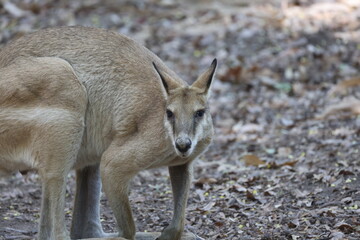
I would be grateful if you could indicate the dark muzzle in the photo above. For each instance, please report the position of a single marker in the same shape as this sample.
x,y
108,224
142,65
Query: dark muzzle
x,y
183,144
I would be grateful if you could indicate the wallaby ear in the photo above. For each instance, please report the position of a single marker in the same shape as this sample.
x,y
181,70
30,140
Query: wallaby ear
x,y
204,80
167,81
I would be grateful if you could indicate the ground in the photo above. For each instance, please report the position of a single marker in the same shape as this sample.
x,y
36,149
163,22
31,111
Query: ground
x,y
275,170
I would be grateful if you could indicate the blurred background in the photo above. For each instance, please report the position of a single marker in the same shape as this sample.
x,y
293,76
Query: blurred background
x,y
285,160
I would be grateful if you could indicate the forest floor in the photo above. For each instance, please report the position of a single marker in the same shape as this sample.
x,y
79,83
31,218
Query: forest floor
x,y
275,170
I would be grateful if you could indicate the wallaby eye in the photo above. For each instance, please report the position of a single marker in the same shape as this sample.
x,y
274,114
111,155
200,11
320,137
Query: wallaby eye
x,y
200,113
169,114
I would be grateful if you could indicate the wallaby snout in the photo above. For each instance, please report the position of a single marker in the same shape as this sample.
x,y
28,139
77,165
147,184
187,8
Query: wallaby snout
x,y
183,144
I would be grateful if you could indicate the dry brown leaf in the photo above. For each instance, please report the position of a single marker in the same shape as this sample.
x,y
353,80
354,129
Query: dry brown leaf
x,y
250,196
252,160
232,74
349,104
294,223
346,172
238,74
200,182
344,227
219,224
274,165
342,86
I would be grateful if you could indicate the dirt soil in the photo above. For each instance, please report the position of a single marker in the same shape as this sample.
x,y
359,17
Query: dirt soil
x,y
275,170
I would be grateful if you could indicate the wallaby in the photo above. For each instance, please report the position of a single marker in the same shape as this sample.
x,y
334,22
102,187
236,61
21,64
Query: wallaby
x,y
96,101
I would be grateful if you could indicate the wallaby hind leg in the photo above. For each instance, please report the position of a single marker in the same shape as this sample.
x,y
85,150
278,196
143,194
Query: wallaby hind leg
x,y
42,123
52,219
56,154
86,215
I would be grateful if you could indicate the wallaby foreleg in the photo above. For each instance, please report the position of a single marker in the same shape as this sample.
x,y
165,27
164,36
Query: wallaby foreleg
x,y
180,180
115,176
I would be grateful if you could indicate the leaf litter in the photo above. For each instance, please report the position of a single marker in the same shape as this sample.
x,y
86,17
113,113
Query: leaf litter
x,y
275,170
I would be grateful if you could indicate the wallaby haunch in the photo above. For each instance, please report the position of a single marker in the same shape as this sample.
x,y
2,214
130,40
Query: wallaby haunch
x,y
97,102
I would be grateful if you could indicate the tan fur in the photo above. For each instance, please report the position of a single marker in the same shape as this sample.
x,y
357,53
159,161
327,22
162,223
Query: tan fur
x,y
76,97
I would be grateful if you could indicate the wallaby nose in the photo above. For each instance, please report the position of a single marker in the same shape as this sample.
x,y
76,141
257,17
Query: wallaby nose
x,y
183,144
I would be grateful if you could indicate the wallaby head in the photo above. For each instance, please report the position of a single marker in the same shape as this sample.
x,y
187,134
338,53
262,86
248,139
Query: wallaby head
x,y
187,117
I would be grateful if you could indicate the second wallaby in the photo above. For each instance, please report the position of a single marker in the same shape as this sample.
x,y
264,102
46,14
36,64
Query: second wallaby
x,y
96,101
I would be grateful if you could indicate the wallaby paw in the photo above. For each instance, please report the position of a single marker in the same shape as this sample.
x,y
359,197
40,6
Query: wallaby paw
x,y
170,233
186,237
174,234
